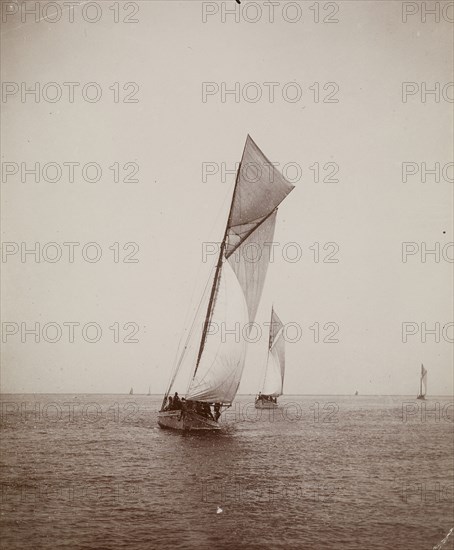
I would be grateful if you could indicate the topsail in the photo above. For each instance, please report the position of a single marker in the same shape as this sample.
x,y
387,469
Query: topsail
x,y
238,279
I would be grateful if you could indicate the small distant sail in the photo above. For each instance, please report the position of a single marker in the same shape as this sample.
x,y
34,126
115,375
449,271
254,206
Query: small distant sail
x,y
423,384
275,367
149,390
356,392
131,392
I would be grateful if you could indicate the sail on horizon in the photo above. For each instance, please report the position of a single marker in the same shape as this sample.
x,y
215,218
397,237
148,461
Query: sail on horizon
x,y
423,382
275,365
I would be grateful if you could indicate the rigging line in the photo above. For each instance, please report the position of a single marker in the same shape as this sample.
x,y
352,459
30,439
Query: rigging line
x,y
194,288
249,233
276,338
217,274
179,352
180,356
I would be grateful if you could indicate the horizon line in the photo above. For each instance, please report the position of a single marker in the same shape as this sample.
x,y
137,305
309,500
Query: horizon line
x,y
238,395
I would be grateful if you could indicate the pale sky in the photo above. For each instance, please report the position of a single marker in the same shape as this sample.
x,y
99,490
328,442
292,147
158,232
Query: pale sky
x,y
170,132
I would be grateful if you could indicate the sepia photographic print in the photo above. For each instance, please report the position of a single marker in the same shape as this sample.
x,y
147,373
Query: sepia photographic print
x,y
226,275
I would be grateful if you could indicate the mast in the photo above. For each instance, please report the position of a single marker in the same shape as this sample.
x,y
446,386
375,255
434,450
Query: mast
x,y
271,328
420,380
217,273
233,292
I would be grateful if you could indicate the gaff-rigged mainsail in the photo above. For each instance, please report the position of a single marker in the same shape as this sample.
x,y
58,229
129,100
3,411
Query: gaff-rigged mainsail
x,y
275,366
219,373
239,278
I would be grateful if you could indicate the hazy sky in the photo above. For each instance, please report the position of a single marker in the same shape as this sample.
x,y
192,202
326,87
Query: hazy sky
x,y
170,132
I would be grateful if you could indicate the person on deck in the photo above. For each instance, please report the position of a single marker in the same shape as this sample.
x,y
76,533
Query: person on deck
x,y
207,410
217,411
169,406
176,402
183,408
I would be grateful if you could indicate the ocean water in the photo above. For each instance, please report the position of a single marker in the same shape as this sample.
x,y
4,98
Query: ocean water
x,y
322,472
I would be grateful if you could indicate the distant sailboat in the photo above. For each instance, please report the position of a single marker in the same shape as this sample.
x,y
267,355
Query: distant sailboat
x,y
356,392
149,390
211,364
131,392
275,366
422,381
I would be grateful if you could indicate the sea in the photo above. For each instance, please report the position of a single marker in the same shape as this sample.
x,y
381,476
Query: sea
x,y
320,472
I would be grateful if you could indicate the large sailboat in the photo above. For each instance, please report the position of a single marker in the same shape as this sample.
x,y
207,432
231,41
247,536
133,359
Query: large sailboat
x,y
273,382
212,360
422,383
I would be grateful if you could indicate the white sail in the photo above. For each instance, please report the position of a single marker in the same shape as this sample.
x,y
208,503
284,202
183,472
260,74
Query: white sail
x,y
221,365
423,380
185,367
275,367
218,360
250,261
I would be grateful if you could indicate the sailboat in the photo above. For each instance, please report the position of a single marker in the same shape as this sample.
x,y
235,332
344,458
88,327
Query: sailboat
x,y
131,392
422,381
212,360
275,366
149,390
356,392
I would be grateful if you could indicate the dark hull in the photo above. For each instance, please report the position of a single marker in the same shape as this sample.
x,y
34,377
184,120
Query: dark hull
x,y
261,404
189,421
